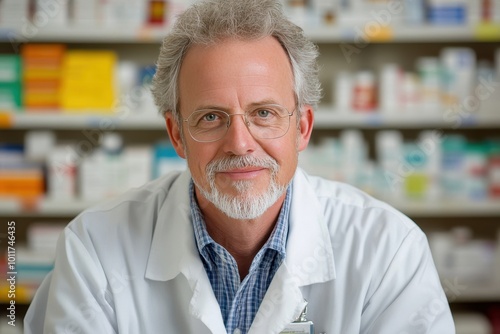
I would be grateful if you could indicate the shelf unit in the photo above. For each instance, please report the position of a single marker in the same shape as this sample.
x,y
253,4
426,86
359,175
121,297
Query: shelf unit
x,y
325,118
411,41
45,207
327,34
80,120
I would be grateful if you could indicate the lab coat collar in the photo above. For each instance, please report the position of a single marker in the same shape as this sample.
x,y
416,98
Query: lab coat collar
x,y
309,257
309,254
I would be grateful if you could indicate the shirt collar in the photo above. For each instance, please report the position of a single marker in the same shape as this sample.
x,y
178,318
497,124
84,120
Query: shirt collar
x,y
276,241
200,230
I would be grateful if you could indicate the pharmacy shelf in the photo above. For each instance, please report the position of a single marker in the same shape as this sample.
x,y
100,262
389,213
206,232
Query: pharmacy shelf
x,y
81,120
463,292
84,34
448,208
325,118
353,32
360,33
13,208
332,119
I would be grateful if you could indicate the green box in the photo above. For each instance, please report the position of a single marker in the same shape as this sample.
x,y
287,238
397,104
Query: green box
x,y
10,96
10,69
10,82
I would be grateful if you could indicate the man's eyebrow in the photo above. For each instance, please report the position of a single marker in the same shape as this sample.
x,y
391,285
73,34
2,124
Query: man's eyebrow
x,y
212,106
263,102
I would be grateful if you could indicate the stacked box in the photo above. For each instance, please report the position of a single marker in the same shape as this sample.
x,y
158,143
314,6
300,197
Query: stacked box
x,y
88,83
42,75
18,178
10,82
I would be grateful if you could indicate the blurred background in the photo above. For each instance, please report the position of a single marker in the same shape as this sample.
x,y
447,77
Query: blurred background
x,y
410,114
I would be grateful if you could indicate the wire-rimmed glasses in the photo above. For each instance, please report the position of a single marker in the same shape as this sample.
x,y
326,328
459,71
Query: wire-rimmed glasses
x,y
268,121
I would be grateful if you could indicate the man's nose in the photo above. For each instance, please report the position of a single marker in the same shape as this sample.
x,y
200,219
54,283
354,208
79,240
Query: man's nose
x,y
238,139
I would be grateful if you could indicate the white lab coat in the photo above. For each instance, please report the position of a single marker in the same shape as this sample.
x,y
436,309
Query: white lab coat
x,y
131,266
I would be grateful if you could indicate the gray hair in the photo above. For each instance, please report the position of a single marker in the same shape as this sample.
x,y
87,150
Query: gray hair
x,y
210,21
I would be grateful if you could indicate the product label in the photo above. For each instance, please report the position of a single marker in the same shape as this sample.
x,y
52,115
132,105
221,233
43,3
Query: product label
x,y
487,32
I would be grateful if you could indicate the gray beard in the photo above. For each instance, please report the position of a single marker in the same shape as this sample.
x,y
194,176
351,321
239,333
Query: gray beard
x,y
242,206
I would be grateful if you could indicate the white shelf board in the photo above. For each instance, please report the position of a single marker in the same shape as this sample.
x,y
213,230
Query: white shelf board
x,y
448,208
54,120
85,34
473,293
329,118
399,33
47,207
486,293
325,118
12,208
100,33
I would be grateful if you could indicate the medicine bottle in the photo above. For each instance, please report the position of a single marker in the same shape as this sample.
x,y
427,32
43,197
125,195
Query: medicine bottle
x,y
364,97
157,10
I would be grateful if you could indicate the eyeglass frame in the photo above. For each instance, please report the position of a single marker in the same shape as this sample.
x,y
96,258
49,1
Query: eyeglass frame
x,y
247,123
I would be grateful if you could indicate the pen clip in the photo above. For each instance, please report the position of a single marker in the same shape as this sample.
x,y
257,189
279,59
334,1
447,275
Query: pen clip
x,y
303,315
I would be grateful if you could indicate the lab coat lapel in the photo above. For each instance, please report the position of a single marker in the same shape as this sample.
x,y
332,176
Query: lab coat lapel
x,y
309,260
174,252
309,251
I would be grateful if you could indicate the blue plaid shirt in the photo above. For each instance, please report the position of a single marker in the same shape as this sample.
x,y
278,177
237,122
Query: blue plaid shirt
x,y
239,301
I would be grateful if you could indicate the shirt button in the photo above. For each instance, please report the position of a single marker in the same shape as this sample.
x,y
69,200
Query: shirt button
x,y
237,331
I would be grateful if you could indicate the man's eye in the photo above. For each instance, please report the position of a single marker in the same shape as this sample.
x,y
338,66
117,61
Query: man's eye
x,y
263,113
210,117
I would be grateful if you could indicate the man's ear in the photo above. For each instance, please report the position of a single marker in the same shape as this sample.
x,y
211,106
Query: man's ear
x,y
306,125
174,133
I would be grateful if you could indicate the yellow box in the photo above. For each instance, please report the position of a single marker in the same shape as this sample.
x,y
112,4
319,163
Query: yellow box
x,y
88,81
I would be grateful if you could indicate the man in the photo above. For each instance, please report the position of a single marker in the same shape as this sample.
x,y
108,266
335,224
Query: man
x,y
244,240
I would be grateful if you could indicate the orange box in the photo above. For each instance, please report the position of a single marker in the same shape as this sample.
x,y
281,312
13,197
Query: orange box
x,y
42,74
41,51
23,183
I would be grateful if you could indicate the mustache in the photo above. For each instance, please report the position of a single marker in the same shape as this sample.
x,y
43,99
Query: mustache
x,y
241,161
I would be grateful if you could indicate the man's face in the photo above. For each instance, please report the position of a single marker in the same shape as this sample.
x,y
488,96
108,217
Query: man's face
x,y
232,76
